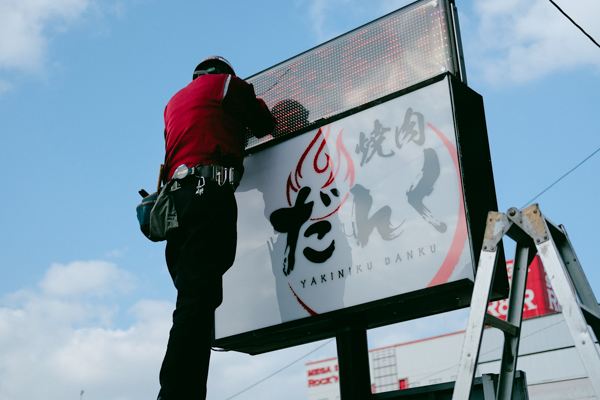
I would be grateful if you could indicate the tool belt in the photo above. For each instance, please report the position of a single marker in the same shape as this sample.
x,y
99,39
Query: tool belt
x,y
221,175
157,214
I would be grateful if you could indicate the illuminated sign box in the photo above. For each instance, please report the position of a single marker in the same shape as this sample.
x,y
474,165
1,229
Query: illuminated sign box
x,y
392,53
376,217
368,201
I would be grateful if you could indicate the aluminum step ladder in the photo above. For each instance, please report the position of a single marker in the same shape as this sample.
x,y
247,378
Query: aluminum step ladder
x,y
532,233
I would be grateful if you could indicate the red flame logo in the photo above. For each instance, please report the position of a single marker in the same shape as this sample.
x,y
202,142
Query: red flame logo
x,y
325,169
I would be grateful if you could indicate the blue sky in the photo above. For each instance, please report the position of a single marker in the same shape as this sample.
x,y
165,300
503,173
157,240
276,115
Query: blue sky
x,y
85,299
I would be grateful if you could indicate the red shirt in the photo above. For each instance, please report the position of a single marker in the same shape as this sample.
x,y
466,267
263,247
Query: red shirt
x,y
205,122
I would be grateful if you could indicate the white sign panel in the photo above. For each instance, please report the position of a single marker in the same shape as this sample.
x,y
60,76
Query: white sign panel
x,y
362,209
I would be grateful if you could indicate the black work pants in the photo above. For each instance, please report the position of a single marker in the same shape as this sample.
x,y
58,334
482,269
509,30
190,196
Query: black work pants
x,y
198,253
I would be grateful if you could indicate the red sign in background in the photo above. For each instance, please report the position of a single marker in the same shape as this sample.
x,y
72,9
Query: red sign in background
x,y
323,375
539,295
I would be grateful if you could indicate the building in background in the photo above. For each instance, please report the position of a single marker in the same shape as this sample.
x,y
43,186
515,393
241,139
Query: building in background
x,y
546,353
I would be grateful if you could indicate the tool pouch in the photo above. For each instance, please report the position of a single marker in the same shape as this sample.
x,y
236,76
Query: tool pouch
x,y
143,213
157,215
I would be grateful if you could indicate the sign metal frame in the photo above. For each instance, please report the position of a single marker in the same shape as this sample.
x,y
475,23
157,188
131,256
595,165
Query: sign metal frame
x,y
479,197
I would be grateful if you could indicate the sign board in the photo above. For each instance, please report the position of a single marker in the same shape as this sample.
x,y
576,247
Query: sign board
x,y
539,295
366,216
392,53
323,379
359,206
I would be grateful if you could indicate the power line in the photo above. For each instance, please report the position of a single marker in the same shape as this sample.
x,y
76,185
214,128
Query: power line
x,y
577,166
575,23
281,369
559,179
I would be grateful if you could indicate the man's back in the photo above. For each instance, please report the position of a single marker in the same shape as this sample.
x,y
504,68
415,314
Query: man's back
x,y
205,122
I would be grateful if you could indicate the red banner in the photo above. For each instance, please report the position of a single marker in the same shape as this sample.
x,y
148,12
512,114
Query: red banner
x,y
539,295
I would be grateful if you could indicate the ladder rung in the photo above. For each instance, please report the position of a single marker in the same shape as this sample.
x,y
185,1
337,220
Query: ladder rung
x,y
504,326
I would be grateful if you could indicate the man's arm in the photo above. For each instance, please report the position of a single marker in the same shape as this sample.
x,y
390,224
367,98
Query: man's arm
x,y
241,97
270,121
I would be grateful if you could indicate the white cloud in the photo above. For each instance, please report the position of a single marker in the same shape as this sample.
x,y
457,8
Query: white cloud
x,y
509,41
24,28
90,278
117,253
518,41
318,13
525,40
57,340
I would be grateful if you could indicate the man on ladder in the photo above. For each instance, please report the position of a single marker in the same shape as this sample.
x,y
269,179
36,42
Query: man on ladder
x,y
205,127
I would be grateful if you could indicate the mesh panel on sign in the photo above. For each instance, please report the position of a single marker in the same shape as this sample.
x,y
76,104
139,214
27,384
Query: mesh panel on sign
x,y
394,52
